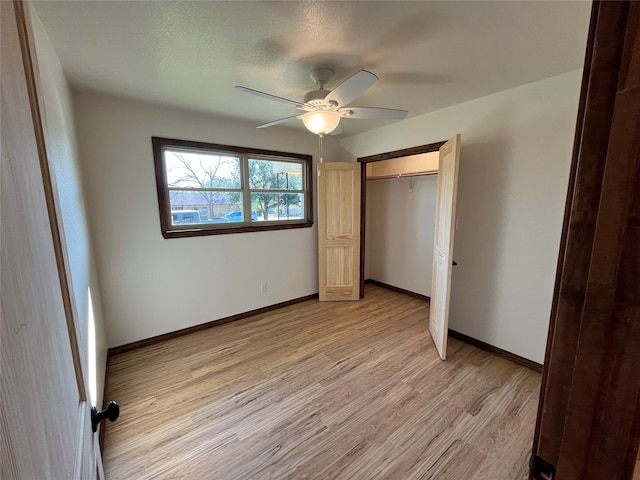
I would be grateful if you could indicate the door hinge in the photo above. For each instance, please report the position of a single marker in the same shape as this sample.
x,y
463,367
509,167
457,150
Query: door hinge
x,y
540,469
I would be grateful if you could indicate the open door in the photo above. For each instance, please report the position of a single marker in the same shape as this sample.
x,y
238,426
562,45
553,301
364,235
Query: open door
x,y
339,231
443,243
45,415
588,425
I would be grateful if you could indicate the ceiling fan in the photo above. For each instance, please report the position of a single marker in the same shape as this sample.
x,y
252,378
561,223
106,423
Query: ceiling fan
x,y
325,108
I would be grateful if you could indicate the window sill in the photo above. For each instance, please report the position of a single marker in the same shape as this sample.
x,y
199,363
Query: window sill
x,y
199,232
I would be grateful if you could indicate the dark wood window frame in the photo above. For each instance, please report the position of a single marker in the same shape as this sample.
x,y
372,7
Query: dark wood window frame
x,y
159,144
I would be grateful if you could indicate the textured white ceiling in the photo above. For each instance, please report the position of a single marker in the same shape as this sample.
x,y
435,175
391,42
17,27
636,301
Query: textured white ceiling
x,y
428,55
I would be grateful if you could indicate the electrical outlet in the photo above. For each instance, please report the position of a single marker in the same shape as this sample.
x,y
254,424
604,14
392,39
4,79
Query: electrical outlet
x,y
263,287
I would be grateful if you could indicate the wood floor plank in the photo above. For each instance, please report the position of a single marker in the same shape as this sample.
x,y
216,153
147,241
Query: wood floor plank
x,y
322,390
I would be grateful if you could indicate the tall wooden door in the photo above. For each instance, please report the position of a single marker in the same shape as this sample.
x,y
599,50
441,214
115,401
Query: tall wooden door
x,y
339,231
44,413
443,243
588,425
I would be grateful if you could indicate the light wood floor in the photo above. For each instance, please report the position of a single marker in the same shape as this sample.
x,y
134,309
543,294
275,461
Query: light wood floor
x,y
350,390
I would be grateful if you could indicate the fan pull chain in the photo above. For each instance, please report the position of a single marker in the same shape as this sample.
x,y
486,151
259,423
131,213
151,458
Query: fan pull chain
x,y
320,146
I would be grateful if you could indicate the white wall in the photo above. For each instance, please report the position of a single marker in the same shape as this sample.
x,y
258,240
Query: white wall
x,y
399,232
514,164
151,285
63,159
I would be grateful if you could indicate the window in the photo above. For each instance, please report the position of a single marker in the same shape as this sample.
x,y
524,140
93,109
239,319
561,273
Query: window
x,y
207,189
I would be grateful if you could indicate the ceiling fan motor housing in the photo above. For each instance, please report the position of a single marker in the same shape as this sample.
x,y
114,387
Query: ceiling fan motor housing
x,y
316,97
321,75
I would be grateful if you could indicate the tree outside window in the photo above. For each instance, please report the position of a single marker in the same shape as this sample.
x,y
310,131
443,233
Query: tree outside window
x,y
206,189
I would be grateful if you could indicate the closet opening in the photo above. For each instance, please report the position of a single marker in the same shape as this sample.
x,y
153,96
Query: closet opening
x,y
414,172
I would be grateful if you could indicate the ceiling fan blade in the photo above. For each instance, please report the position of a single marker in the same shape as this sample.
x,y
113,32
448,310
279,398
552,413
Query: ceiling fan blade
x,y
276,122
371,113
351,88
269,96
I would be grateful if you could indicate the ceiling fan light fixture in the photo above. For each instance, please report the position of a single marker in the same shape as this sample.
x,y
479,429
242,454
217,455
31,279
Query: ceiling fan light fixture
x,y
321,122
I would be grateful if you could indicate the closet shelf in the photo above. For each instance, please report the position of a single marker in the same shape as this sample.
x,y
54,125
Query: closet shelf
x,y
410,166
402,175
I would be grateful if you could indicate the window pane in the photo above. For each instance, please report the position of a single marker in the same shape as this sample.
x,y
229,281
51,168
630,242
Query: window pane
x,y
201,170
210,189
238,216
278,206
274,175
193,206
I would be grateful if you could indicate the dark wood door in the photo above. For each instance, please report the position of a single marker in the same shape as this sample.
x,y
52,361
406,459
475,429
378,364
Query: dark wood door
x,y
588,424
